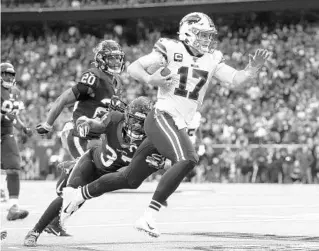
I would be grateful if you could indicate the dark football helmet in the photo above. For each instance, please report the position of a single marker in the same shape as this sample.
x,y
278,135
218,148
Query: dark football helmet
x,y
7,75
135,114
109,57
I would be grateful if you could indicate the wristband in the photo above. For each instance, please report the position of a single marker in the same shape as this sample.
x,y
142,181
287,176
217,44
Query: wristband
x,y
47,127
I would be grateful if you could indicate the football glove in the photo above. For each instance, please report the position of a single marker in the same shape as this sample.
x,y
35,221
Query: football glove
x,y
82,126
259,59
156,161
43,128
27,131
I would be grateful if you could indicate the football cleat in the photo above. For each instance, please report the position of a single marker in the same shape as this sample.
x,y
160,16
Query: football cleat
x,y
147,225
55,228
72,201
3,234
31,239
15,213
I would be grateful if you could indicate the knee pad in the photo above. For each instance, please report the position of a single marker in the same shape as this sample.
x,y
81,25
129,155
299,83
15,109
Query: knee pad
x,y
190,164
131,182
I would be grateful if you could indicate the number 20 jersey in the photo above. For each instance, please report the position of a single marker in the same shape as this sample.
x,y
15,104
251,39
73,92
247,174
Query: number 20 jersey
x,y
190,80
103,87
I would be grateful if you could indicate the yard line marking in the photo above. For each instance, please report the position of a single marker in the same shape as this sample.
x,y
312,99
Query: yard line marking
x,y
214,208
174,223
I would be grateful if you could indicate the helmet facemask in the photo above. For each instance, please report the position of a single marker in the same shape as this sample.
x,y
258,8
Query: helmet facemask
x,y
134,126
8,79
109,57
135,115
112,63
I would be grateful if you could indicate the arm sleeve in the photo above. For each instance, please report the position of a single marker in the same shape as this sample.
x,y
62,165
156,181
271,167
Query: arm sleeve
x,y
158,57
154,58
225,73
81,91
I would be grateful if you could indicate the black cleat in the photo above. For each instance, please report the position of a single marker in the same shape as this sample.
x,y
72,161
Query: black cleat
x,y
15,213
31,239
55,228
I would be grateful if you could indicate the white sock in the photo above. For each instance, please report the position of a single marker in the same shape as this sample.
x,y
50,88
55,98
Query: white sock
x,y
3,181
13,201
151,213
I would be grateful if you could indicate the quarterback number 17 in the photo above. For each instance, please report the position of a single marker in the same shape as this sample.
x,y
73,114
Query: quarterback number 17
x,y
196,73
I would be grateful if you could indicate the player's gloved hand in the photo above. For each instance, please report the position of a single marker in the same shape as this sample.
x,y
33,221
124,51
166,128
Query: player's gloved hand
x,y
43,128
156,161
82,126
27,131
157,79
259,59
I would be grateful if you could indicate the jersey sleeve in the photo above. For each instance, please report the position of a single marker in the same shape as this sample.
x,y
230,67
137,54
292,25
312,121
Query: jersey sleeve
x,y
156,59
223,72
160,46
86,86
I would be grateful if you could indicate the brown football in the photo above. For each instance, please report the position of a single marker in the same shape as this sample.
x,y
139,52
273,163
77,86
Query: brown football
x,y
165,72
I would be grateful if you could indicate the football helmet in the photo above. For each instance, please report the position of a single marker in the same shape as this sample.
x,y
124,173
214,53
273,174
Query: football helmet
x,y
7,75
109,57
135,114
198,31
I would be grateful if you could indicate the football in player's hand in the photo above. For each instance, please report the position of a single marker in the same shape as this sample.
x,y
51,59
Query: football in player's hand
x,y
165,72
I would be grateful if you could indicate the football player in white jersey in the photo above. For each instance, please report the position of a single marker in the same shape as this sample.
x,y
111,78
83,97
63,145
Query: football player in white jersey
x,y
182,70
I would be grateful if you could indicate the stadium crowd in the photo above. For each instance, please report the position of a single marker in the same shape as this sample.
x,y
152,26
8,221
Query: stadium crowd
x,y
82,3
281,107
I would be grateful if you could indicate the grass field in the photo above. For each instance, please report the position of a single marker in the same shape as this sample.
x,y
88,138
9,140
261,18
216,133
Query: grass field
x,y
199,217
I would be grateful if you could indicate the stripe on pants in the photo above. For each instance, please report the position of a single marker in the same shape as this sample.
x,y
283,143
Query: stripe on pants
x,y
78,145
171,135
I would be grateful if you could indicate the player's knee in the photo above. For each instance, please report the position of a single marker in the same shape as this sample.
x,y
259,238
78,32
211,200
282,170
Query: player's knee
x,y
190,164
133,184
12,173
193,158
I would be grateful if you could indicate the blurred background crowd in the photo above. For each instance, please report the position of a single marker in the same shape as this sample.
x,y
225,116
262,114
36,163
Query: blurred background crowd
x,y
266,132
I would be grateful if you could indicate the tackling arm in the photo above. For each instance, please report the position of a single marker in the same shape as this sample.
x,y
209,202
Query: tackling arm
x,y
84,125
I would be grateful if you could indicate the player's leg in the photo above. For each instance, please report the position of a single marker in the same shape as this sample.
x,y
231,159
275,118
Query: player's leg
x,y
175,145
11,163
50,220
130,177
81,174
54,226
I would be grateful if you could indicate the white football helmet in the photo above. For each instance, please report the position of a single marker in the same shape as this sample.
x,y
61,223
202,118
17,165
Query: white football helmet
x,y
198,31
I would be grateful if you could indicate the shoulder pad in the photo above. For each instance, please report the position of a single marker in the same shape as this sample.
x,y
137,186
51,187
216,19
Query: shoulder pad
x,y
160,46
90,78
217,55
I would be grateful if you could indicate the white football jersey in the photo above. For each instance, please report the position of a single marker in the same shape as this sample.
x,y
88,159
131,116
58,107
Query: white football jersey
x,y
191,76
193,127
